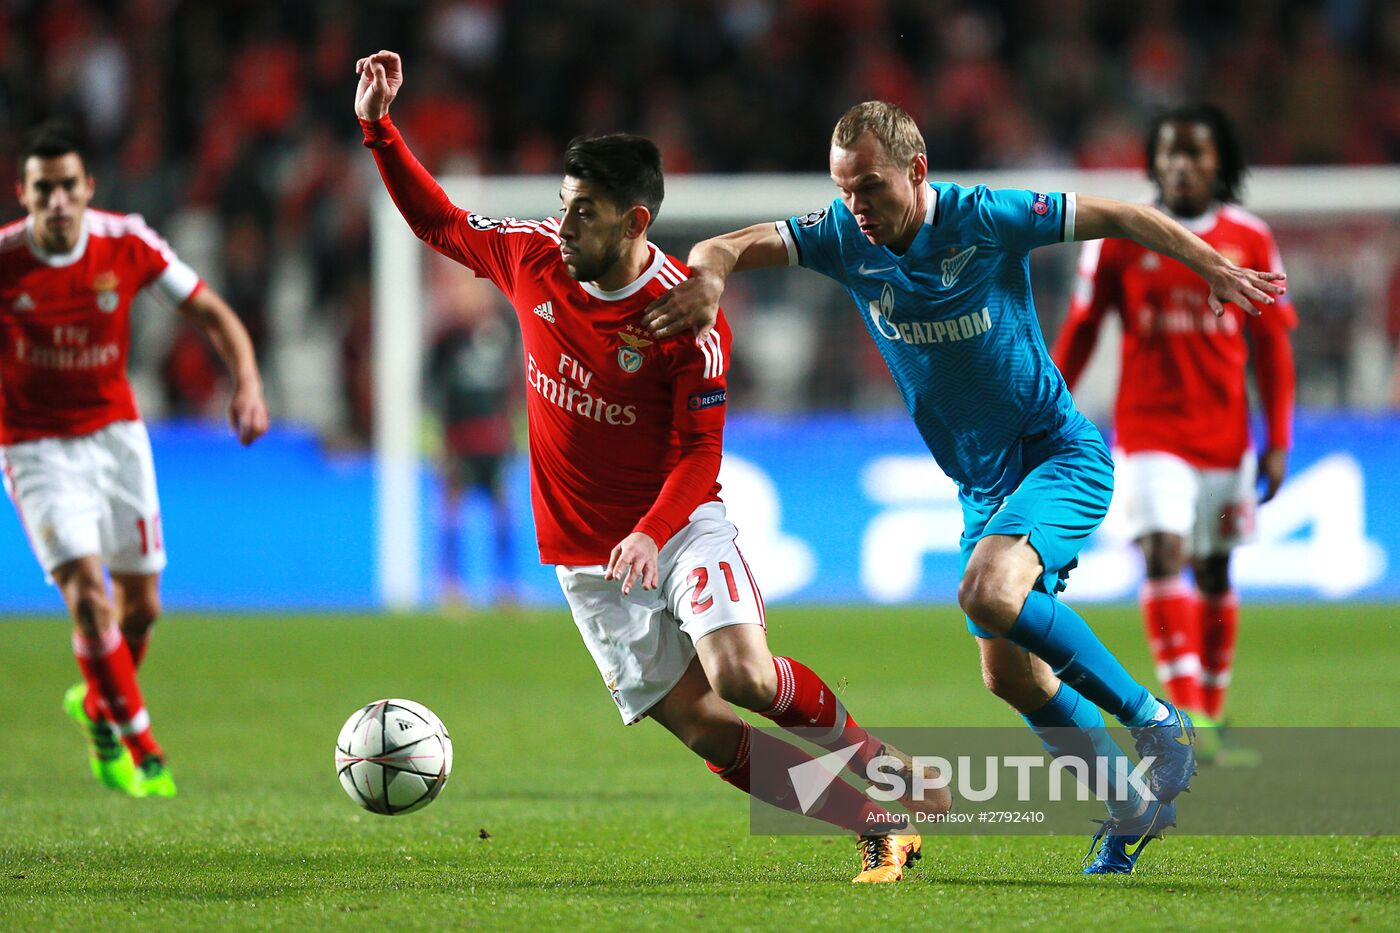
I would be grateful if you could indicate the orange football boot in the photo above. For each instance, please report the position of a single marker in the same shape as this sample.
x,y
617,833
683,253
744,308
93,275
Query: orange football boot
x,y
883,858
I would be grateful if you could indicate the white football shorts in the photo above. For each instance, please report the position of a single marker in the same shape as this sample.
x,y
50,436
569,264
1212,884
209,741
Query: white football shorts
x,y
1212,509
89,495
643,643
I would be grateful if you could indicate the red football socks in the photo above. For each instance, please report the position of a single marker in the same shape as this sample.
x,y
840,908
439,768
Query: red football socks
x,y
1173,632
841,805
113,692
807,705
1220,618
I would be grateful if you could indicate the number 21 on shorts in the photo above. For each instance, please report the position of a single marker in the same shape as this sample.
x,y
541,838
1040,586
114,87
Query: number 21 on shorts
x,y
699,579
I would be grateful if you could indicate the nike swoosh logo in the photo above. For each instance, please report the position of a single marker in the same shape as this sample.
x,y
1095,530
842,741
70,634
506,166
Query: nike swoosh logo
x,y
1183,737
864,271
1130,849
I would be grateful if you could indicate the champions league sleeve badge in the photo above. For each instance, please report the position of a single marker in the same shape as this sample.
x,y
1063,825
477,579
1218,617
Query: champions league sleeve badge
x,y
482,222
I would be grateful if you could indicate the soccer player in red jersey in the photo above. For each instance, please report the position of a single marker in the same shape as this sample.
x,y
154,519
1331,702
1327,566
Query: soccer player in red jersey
x,y
76,455
625,446
1185,461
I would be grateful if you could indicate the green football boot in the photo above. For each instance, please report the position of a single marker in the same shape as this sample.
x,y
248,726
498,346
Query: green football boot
x,y
111,762
1207,738
155,778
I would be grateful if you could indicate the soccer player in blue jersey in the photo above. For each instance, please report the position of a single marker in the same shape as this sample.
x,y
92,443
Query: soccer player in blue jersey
x,y
940,276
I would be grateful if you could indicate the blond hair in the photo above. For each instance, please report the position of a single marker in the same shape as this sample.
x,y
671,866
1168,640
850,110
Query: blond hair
x,y
888,123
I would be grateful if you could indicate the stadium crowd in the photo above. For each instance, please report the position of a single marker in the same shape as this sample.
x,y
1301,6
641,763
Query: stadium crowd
x,y
228,124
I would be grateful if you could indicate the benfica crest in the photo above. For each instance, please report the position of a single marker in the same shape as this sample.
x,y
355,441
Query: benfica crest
x,y
630,355
106,287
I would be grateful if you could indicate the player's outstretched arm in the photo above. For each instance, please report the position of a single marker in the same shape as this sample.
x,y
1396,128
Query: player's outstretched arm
x,y
247,412
1096,218
694,303
430,214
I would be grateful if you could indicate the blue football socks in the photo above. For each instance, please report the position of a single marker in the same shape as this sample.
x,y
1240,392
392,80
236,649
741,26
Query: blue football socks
x,y
1071,726
1060,636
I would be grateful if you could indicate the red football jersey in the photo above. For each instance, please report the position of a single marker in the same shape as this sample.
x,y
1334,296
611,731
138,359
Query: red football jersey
x,y
1182,388
625,430
65,323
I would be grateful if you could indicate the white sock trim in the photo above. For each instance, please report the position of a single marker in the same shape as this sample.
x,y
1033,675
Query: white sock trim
x,y
1186,665
136,724
108,641
1216,678
787,688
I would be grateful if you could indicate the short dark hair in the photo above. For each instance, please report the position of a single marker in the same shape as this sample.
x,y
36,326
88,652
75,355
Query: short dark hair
x,y
50,140
626,168
1229,181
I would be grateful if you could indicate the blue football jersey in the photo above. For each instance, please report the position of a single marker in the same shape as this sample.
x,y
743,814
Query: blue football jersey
x,y
954,319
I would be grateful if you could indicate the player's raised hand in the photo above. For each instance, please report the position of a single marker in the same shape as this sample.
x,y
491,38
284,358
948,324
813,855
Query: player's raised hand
x,y
633,560
1247,288
691,305
247,413
381,76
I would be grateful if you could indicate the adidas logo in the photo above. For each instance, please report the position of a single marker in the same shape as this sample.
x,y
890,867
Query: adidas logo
x,y
953,266
546,311
24,302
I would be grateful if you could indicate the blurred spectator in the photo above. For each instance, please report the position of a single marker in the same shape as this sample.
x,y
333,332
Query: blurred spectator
x,y
242,109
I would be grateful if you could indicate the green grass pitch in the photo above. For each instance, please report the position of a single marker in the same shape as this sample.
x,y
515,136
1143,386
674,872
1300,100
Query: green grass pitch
x,y
592,825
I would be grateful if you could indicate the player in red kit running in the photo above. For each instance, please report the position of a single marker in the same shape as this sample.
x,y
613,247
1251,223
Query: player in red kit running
x,y
625,445
1186,464
76,456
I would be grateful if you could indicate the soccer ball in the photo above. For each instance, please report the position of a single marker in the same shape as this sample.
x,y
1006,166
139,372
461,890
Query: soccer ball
x,y
393,756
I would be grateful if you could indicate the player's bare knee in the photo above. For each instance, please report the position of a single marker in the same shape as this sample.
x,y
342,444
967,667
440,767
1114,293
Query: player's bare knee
x,y
989,600
92,610
140,615
1213,575
1161,565
749,683
1163,555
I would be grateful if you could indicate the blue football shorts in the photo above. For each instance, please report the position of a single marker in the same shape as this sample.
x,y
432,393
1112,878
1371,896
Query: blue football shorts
x,y
1066,485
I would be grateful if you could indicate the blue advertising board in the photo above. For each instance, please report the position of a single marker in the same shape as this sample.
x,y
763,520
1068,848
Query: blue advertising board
x,y
831,508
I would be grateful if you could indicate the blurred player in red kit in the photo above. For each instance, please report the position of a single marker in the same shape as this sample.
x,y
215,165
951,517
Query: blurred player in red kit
x,y
1187,467
625,447
76,455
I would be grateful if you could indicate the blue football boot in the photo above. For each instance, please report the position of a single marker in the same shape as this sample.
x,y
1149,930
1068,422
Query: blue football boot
x,y
1170,743
1124,841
